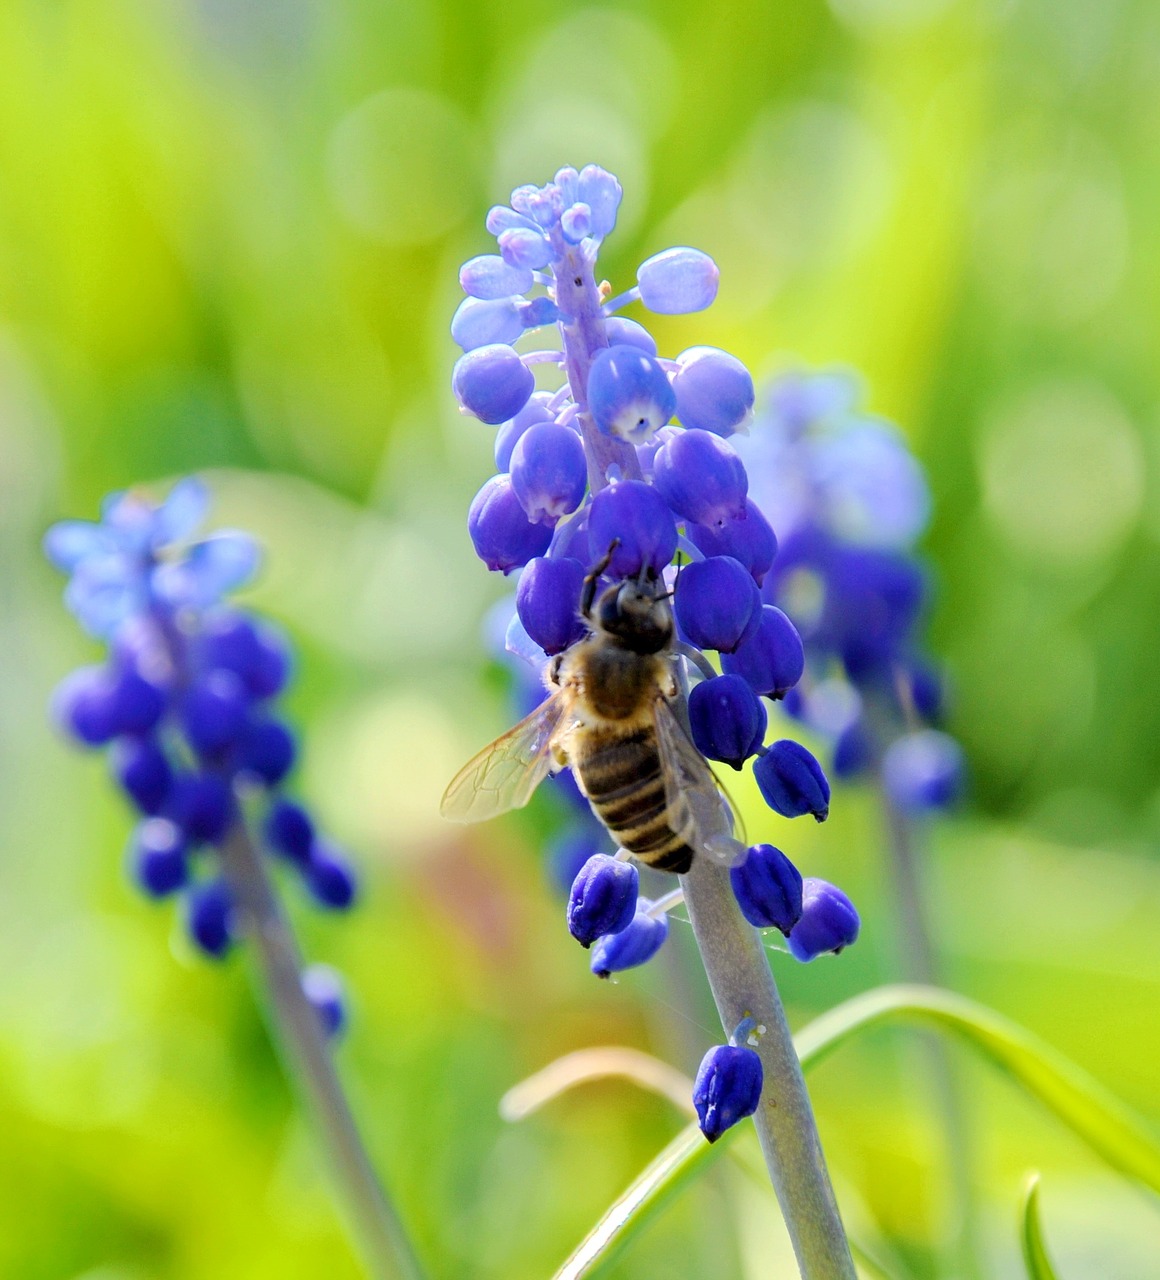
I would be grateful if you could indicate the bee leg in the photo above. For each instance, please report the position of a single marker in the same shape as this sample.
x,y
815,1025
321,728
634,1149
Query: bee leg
x,y
589,593
553,672
670,687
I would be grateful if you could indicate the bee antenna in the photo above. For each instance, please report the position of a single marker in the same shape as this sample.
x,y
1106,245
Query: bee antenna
x,y
589,593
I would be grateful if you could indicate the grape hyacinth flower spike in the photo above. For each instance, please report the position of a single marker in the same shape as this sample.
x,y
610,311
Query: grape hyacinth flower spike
x,y
622,464
186,701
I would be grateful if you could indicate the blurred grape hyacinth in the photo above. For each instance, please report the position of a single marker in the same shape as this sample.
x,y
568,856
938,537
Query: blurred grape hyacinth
x,y
849,501
624,465
186,702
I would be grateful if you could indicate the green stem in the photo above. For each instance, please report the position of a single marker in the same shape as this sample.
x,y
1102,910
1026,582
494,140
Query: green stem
x,y
308,1061
743,986
919,964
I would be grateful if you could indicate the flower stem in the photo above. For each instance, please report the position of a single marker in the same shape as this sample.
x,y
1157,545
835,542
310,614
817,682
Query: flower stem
x,y
743,987
582,331
918,963
308,1061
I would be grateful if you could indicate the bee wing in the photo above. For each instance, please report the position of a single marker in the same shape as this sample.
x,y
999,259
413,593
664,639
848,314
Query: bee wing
x,y
736,822
687,774
504,775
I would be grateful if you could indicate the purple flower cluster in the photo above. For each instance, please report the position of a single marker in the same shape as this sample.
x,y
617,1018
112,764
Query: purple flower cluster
x,y
631,458
850,501
186,703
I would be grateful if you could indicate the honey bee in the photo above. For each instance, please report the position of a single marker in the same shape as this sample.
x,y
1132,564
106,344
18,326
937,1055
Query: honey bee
x,y
611,719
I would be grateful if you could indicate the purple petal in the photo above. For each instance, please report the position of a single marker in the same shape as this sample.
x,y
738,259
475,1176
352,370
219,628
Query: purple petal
x,y
210,570
68,543
105,592
130,518
181,512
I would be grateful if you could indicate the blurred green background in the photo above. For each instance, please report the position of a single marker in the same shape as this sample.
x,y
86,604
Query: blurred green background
x,y
229,236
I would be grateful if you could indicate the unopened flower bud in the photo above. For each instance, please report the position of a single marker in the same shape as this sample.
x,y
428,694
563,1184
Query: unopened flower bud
x,y
479,322
770,656
727,719
768,888
536,410
536,312
623,332
142,768
750,540
525,247
792,782
548,602
701,477
853,750
323,987
602,193
266,751
254,651
678,281
503,536
635,945
828,921
716,603
714,390
548,470
159,858
727,1088
290,832
211,918
489,277
329,879
202,805
213,711
634,516
603,898
83,706
492,382
576,222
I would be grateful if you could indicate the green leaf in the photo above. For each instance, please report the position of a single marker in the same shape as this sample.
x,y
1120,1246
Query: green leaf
x,y
1034,1253
686,1156
1111,1129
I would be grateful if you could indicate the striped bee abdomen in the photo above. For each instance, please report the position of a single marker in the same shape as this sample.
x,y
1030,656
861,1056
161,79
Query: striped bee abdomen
x,y
622,777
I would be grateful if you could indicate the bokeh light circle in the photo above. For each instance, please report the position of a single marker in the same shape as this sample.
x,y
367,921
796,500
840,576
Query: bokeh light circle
x,y
402,166
1062,471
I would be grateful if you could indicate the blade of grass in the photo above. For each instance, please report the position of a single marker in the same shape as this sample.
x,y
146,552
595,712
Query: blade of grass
x,y
1031,1234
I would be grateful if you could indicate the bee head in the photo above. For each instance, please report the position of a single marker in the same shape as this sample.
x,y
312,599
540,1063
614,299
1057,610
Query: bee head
x,y
636,616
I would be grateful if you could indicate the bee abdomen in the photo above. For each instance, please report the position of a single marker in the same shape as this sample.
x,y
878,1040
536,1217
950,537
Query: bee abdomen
x,y
625,787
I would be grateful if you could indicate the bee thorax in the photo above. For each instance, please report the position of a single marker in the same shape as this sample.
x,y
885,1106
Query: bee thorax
x,y
616,683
